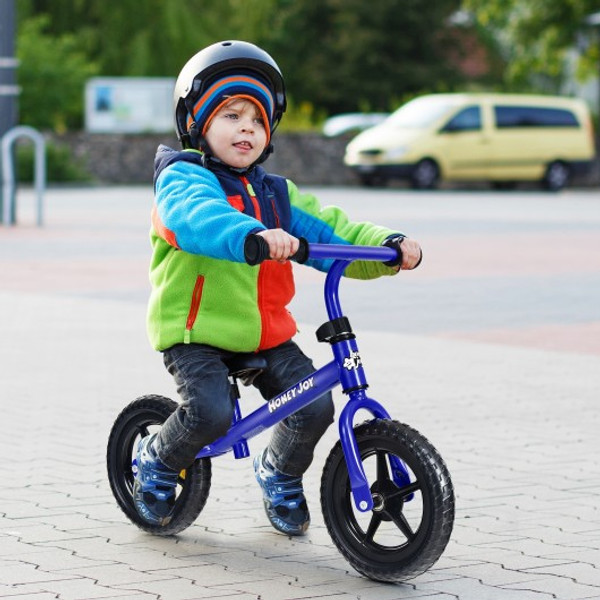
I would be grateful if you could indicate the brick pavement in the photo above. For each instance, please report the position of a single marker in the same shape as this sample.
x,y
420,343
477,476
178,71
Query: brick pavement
x,y
517,426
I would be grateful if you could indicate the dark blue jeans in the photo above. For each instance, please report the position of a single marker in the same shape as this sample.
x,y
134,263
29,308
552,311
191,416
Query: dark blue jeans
x,y
207,409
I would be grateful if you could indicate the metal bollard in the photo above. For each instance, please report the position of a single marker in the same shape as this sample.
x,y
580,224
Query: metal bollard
x,y
9,185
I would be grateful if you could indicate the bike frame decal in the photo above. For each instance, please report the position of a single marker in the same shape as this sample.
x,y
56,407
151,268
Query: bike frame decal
x,y
353,361
282,406
347,355
297,390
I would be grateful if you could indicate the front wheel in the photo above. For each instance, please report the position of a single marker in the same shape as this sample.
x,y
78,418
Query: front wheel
x,y
137,420
425,175
410,524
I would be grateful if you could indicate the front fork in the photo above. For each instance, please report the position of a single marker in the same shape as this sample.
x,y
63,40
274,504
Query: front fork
x,y
354,384
359,484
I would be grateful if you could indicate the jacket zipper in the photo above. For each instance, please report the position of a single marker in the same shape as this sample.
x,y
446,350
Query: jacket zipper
x,y
194,307
253,197
277,222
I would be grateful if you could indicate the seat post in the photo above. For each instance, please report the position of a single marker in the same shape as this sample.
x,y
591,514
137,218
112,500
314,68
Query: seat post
x,y
240,449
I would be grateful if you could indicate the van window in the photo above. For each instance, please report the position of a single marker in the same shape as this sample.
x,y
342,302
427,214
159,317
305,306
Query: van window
x,y
468,119
531,116
420,113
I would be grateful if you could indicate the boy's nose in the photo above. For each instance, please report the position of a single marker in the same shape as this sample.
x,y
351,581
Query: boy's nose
x,y
247,125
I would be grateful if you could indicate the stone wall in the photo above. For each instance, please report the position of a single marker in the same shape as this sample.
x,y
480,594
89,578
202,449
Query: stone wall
x,y
306,159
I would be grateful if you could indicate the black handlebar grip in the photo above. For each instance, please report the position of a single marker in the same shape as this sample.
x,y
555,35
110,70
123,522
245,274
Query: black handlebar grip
x,y
394,243
256,250
301,255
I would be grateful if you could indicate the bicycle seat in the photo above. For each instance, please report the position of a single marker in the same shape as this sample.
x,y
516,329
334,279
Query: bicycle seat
x,y
246,367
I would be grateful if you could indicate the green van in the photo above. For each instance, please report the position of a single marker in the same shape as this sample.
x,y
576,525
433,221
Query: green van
x,y
501,138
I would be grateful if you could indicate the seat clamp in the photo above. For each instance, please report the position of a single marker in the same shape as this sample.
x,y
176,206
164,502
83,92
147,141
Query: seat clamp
x,y
335,330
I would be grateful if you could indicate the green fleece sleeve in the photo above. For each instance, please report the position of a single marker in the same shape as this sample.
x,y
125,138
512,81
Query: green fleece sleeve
x,y
331,225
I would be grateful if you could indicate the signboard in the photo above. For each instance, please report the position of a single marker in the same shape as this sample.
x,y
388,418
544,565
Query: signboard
x,y
129,105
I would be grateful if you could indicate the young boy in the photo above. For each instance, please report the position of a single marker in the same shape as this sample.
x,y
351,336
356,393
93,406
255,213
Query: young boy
x,y
207,304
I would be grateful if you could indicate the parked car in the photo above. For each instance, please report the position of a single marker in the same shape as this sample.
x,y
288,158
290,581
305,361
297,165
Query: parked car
x,y
499,138
352,122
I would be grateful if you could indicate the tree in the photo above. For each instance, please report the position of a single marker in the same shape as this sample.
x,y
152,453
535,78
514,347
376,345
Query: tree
x,y
336,55
347,55
536,37
63,43
52,75
149,38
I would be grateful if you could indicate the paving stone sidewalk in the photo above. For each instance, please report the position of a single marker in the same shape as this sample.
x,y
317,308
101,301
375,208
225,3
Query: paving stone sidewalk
x,y
518,428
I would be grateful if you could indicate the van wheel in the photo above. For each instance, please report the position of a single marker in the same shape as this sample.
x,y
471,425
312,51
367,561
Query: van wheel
x,y
557,176
425,175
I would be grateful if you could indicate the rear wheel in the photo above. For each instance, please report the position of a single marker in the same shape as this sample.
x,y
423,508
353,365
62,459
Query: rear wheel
x,y
425,175
410,524
557,176
137,420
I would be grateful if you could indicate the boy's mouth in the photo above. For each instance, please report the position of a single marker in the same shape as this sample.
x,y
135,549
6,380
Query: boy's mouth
x,y
243,145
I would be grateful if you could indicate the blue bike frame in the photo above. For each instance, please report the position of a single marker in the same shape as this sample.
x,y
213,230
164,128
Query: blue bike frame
x,y
345,369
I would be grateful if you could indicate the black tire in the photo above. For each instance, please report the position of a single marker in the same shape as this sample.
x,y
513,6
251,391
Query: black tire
x,y
409,526
557,177
138,419
425,175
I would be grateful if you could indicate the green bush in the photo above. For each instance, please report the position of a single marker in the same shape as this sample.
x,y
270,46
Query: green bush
x,y
303,117
61,165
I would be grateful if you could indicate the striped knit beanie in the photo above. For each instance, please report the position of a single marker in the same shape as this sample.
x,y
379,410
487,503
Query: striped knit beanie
x,y
246,85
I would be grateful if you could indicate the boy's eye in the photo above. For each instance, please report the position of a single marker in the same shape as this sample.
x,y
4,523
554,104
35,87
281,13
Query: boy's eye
x,y
231,115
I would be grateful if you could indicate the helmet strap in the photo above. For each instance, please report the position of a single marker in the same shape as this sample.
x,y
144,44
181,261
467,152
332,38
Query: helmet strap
x,y
266,153
193,136
194,140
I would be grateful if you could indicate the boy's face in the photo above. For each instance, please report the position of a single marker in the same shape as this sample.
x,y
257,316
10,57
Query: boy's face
x,y
236,134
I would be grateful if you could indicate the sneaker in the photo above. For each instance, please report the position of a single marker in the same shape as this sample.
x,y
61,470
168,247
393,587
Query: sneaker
x,y
283,496
154,485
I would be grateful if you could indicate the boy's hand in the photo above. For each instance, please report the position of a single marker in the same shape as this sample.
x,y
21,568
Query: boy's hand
x,y
281,244
411,254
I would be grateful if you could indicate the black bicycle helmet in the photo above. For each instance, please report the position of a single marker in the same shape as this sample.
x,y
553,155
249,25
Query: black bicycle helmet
x,y
217,72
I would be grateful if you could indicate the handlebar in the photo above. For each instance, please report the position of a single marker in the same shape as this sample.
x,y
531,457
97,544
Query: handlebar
x,y
256,250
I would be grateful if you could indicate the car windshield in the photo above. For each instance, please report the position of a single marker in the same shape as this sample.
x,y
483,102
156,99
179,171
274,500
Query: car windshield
x,y
420,112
